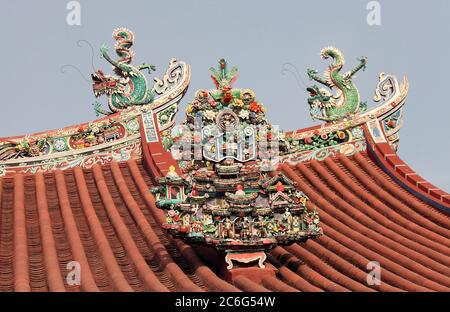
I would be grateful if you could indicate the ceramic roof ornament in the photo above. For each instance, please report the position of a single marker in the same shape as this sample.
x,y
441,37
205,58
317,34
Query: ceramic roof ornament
x,y
228,180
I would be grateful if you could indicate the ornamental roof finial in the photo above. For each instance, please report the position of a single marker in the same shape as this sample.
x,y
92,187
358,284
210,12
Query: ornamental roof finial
x,y
222,78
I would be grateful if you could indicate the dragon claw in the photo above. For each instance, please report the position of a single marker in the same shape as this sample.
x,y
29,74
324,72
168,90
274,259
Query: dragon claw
x,y
104,49
311,73
98,109
149,67
363,61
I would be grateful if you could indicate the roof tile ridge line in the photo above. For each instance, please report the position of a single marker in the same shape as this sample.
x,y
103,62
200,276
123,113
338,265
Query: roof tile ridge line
x,y
21,264
204,272
324,280
54,277
364,242
173,269
378,152
341,264
415,184
386,194
66,128
404,192
87,280
411,247
145,273
294,280
373,214
116,275
305,272
276,284
168,154
248,285
308,171
337,249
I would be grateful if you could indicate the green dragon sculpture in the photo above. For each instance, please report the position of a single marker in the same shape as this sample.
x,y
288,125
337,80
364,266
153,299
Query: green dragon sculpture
x,y
330,107
131,87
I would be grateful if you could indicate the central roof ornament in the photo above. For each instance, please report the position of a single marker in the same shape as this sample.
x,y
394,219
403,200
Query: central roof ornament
x,y
222,78
226,196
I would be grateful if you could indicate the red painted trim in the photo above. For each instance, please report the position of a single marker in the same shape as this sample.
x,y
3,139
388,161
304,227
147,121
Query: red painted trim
x,y
399,169
13,139
147,159
156,159
289,133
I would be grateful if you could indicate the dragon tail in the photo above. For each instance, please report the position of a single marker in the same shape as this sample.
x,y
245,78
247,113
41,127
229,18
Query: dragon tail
x,y
124,41
335,54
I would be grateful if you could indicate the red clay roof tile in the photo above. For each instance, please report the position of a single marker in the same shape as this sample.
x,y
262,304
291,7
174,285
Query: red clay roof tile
x,y
106,219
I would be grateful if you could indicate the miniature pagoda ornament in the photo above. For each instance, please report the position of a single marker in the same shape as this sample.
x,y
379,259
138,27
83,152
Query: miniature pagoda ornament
x,y
225,197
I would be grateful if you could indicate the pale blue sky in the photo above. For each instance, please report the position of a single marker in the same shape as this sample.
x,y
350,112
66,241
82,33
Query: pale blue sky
x,y
257,36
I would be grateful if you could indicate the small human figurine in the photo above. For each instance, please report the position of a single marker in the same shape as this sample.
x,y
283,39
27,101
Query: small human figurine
x,y
262,226
287,218
172,173
239,190
245,231
270,229
227,230
194,191
296,224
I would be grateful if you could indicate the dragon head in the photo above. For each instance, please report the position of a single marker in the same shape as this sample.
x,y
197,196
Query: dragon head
x,y
319,100
319,97
105,84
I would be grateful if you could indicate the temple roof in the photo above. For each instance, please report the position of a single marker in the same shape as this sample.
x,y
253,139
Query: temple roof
x,y
106,219
93,205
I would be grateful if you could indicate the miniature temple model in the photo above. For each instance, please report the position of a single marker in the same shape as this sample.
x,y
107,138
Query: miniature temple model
x,y
225,198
